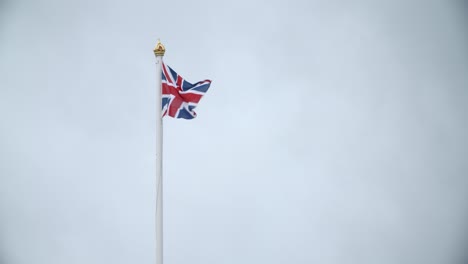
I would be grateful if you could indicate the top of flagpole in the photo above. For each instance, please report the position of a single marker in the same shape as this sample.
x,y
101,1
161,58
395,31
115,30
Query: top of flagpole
x,y
159,50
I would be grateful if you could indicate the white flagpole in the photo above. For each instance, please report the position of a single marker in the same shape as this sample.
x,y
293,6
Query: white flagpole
x,y
159,53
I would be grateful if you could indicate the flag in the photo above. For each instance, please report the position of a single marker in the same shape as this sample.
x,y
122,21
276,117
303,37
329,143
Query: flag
x,y
180,97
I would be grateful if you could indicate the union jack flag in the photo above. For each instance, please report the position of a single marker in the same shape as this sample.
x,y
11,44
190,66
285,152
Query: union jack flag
x,y
180,97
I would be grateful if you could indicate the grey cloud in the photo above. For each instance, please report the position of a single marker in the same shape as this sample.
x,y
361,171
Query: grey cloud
x,y
333,132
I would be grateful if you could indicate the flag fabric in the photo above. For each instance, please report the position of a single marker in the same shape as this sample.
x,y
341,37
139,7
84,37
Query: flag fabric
x,y
180,97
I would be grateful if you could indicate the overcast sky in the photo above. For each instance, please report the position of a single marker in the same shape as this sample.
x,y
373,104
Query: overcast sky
x,y
333,132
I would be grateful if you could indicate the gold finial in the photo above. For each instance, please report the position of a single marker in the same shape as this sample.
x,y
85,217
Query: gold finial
x,y
159,50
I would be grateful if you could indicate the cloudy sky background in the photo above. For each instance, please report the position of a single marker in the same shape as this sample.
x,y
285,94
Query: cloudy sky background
x,y
333,132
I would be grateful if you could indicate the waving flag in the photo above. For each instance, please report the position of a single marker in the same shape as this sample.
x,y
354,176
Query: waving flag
x,y
180,97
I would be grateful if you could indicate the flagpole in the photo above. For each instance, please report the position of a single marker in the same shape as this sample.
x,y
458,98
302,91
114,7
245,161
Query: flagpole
x,y
159,53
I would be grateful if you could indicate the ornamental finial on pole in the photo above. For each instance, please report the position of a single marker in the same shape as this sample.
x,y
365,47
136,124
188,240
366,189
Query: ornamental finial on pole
x,y
159,50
